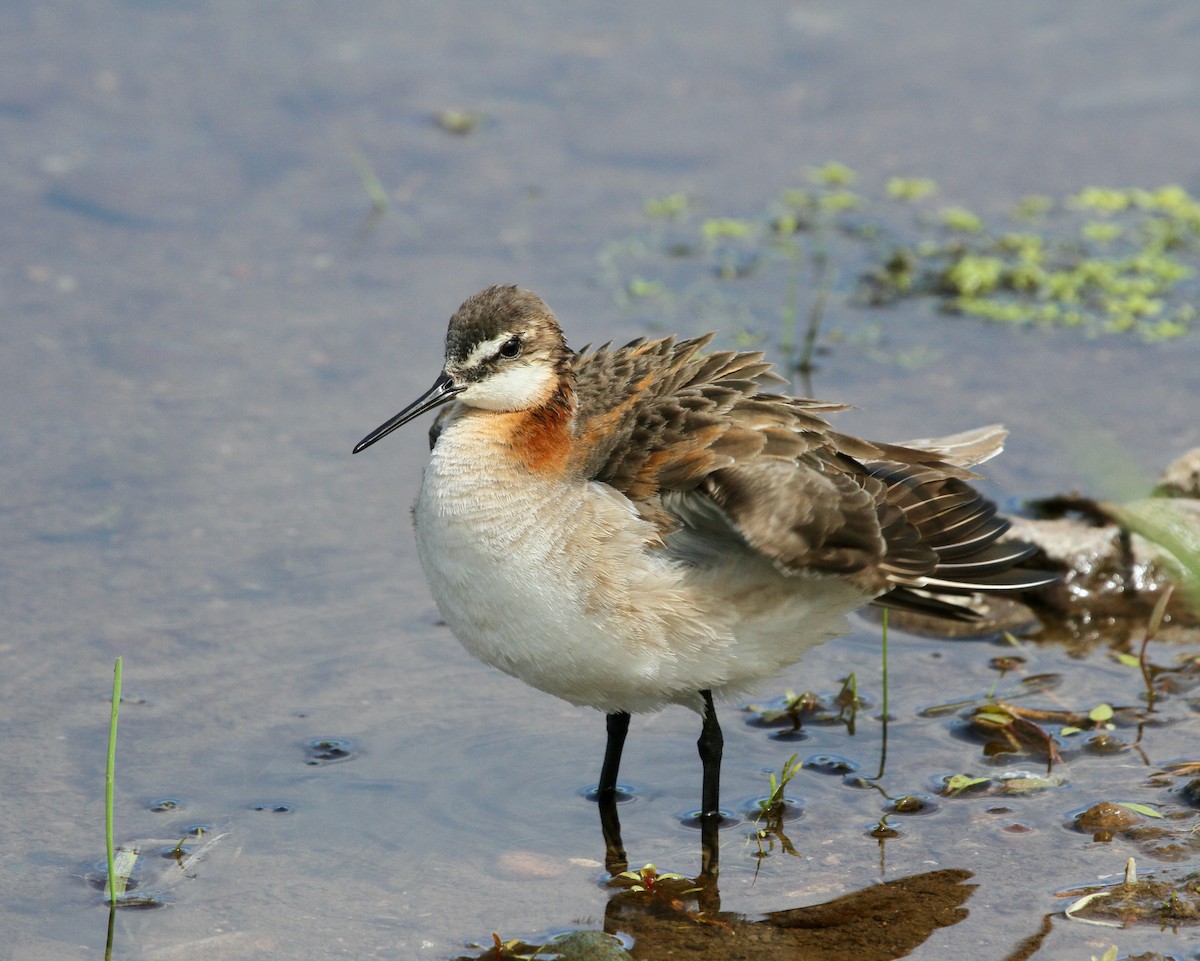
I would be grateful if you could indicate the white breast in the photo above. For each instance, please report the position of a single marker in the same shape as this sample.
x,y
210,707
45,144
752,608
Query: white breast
x,y
556,581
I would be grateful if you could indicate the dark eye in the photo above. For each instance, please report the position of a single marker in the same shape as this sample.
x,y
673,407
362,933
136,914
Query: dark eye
x,y
511,348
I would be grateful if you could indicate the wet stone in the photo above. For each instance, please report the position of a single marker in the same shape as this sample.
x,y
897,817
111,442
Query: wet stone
x,y
1182,476
1104,567
589,946
1104,743
1158,901
1105,820
914,804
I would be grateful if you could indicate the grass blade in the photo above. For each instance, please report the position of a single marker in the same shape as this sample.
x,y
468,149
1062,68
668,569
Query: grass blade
x,y
108,784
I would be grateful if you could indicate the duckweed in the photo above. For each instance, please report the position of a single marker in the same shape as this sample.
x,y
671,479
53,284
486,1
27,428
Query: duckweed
x,y
1102,260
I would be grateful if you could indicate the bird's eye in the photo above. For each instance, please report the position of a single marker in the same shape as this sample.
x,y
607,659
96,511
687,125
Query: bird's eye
x,y
511,348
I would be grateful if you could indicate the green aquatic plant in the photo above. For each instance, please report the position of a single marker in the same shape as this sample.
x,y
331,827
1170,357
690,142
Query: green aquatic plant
x,y
640,287
958,783
795,708
371,185
848,702
1100,717
670,206
117,882
771,810
1009,729
1170,527
648,879
1120,272
718,228
809,213
832,174
911,188
1101,260
1142,661
961,219
771,807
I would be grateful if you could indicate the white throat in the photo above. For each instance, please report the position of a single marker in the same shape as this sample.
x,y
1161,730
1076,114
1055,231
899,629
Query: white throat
x,y
519,386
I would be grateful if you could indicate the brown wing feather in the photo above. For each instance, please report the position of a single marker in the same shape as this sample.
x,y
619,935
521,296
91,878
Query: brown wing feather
x,y
659,415
805,515
658,418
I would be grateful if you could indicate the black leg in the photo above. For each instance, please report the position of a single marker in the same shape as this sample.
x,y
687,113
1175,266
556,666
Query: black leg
x,y
710,745
614,849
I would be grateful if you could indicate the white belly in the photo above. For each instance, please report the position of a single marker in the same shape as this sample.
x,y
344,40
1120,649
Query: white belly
x,y
554,582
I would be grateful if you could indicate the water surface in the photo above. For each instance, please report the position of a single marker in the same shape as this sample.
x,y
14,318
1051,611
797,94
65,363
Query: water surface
x,y
201,319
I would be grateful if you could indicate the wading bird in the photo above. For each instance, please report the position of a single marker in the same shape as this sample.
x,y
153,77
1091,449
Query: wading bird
x,y
652,525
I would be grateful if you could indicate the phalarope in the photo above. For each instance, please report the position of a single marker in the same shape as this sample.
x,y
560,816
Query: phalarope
x,y
649,525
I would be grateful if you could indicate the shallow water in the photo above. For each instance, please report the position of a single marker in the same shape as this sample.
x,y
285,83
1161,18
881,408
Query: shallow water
x,y
201,319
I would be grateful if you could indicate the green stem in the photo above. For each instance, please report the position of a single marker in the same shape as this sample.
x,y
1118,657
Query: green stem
x,y
791,304
885,664
824,280
884,719
374,190
108,781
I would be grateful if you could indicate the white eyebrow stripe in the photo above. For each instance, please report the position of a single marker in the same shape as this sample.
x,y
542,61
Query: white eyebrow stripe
x,y
486,350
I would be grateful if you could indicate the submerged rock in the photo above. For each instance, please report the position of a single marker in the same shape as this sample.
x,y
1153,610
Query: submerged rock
x,y
1109,569
1105,820
1182,476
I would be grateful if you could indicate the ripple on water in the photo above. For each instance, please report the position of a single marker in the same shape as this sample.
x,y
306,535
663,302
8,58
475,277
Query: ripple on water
x,y
273,807
831,764
624,793
329,750
790,809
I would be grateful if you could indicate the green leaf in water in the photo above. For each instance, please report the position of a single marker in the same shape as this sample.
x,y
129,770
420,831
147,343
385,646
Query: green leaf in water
x,y
1143,809
124,860
960,782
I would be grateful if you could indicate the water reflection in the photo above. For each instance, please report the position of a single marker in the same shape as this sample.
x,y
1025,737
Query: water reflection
x,y
679,920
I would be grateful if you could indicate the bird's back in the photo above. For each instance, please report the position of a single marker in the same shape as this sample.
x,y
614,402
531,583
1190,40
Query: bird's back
x,y
699,442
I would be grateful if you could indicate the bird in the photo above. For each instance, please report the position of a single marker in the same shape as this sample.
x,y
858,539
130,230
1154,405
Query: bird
x,y
656,524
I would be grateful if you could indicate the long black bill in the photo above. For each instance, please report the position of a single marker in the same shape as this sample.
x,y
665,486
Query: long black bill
x,y
443,390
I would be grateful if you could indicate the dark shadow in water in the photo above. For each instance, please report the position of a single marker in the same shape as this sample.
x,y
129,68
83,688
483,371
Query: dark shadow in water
x,y
879,923
883,921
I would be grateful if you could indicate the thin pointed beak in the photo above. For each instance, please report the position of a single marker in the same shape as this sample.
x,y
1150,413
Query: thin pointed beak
x,y
442,391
